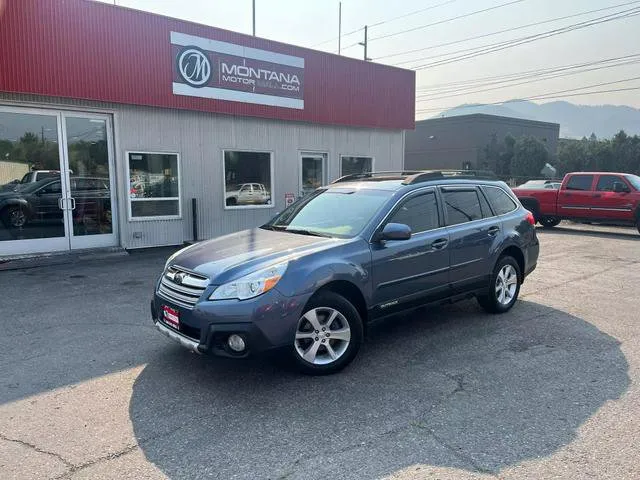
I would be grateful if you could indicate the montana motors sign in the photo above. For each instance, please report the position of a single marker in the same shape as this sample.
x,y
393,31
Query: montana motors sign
x,y
226,71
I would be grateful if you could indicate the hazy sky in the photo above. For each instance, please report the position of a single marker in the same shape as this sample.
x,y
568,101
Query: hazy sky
x,y
310,22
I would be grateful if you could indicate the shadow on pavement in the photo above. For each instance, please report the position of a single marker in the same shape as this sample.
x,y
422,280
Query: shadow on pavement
x,y
618,233
448,387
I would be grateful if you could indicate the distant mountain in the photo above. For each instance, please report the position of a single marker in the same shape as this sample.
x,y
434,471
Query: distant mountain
x,y
576,121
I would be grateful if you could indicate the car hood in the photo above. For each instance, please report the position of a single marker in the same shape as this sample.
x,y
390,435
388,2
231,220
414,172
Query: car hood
x,y
242,252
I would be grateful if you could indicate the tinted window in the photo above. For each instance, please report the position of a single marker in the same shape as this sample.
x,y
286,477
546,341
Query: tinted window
x,y
580,182
52,188
420,213
605,182
502,203
462,206
484,205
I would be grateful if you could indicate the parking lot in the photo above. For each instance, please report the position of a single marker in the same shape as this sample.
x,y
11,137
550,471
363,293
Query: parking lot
x,y
89,389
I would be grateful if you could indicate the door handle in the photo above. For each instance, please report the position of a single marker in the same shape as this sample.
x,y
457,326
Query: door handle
x,y
596,195
73,203
60,203
493,230
439,244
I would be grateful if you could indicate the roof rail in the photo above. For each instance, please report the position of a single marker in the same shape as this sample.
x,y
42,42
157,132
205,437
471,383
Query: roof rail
x,y
396,174
428,175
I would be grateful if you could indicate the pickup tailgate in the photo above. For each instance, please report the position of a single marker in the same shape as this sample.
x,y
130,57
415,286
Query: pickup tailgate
x,y
539,201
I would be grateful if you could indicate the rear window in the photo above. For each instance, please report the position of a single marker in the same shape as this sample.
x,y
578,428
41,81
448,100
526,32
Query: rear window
x,y
605,183
462,206
580,182
501,201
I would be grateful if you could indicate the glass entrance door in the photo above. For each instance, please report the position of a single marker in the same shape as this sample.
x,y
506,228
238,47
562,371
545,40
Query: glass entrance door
x,y
312,172
32,187
90,180
56,181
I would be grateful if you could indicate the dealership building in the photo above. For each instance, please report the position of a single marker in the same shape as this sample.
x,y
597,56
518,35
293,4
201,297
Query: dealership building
x,y
121,128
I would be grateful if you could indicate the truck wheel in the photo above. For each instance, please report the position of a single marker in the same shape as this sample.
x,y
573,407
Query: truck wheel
x,y
14,217
549,222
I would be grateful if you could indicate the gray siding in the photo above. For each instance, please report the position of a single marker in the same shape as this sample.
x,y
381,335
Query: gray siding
x,y
200,138
450,142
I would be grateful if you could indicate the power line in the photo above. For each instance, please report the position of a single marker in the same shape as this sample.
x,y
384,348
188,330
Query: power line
x,y
490,48
448,94
556,19
556,94
446,20
482,80
382,22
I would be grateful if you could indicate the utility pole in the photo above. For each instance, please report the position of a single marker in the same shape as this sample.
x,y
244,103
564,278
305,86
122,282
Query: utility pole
x,y
339,25
364,44
254,17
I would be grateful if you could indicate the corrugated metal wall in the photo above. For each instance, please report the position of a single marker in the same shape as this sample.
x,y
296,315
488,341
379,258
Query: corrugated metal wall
x,y
199,138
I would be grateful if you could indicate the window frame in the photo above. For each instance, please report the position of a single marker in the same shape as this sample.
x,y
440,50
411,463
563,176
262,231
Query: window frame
x,y
484,190
389,218
342,155
463,188
324,154
590,189
131,218
271,180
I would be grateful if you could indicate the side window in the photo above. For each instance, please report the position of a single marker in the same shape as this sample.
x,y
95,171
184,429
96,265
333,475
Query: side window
x,y
580,182
484,205
605,182
501,201
461,206
54,187
420,213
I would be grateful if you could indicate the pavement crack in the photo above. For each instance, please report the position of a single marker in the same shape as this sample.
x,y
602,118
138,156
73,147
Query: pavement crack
x,y
111,456
461,456
37,449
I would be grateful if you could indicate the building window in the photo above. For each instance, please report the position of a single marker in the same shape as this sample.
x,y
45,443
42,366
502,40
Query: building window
x,y
248,182
154,185
312,172
350,165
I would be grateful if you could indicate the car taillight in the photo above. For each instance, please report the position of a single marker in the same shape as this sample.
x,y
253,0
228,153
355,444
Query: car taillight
x,y
529,218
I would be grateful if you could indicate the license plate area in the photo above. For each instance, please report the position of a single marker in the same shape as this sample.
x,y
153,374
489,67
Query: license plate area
x,y
171,317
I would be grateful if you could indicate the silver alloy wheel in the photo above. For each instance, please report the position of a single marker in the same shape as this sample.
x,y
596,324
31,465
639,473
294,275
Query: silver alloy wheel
x,y
506,284
17,218
322,336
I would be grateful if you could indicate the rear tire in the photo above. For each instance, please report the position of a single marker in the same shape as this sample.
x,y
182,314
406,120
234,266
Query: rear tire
x,y
504,286
549,222
328,335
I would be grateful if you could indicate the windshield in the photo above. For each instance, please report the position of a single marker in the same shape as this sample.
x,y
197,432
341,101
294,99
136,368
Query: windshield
x,y
634,180
335,212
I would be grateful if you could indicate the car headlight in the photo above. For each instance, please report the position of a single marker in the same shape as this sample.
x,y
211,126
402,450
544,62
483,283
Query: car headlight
x,y
251,285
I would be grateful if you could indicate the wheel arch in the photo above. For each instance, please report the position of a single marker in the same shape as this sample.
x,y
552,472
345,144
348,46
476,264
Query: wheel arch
x,y
517,253
349,291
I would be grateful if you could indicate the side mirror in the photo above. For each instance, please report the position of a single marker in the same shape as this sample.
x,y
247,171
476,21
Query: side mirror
x,y
394,231
620,187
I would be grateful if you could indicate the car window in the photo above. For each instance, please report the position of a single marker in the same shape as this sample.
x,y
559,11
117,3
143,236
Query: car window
x,y
605,183
54,187
461,206
26,178
500,200
580,182
245,188
634,180
419,212
484,205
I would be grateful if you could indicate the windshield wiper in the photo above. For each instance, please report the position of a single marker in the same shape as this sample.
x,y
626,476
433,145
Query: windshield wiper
x,y
300,231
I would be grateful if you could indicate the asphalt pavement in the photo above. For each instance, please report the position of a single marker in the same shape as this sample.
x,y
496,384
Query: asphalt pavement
x,y
90,390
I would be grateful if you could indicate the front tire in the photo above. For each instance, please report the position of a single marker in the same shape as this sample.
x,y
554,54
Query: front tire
x,y
14,217
504,286
328,335
549,222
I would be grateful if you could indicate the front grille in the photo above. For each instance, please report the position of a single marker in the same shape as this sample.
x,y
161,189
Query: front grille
x,y
182,287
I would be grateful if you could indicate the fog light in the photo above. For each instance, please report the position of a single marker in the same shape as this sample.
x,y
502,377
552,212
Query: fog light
x,y
236,343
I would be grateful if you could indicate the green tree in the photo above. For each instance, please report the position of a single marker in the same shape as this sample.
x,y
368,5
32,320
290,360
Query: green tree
x,y
530,156
506,157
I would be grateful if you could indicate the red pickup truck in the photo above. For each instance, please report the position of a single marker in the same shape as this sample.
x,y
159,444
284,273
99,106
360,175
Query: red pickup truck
x,y
586,196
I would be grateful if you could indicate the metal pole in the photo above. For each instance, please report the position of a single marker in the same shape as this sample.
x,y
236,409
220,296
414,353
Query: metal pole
x,y
254,17
339,25
364,44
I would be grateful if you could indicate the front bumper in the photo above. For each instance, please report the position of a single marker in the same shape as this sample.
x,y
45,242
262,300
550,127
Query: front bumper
x,y
265,322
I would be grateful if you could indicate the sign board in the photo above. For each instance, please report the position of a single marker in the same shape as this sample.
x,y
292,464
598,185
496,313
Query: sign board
x,y
227,71
289,198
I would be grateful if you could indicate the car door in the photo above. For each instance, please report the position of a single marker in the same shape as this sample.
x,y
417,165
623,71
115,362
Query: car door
x,y
411,272
574,200
607,204
474,235
47,201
